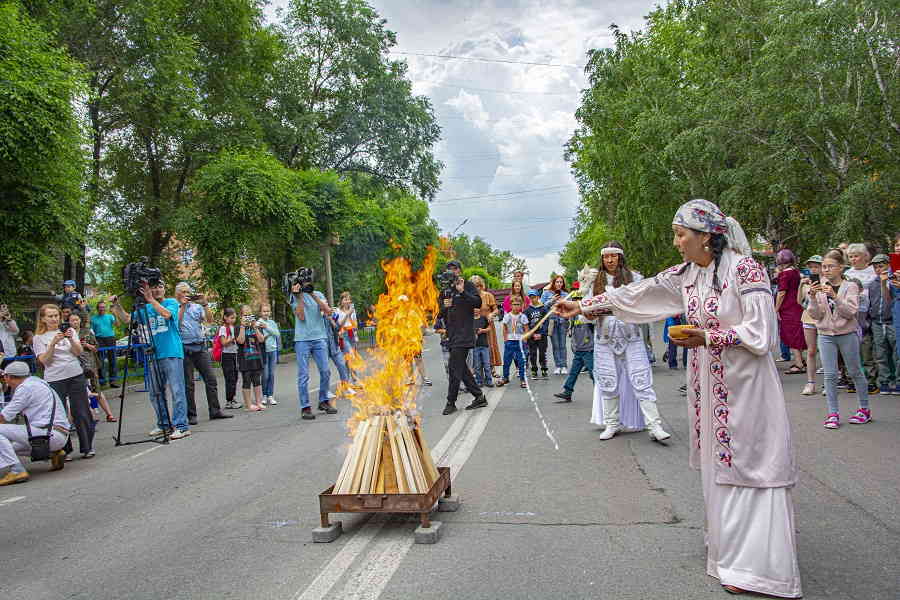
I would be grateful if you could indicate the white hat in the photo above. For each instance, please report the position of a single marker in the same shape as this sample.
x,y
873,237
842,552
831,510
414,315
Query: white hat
x,y
17,369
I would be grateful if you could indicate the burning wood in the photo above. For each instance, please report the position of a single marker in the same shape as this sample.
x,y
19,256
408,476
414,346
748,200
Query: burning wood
x,y
388,454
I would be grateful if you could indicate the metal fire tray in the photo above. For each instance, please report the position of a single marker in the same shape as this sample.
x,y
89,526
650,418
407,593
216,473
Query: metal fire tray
x,y
387,503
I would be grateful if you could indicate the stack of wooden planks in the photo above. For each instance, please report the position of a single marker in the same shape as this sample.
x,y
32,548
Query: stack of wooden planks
x,y
387,456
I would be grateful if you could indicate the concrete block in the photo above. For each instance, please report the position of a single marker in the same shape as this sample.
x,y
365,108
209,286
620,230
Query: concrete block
x,y
428,535
323,535
450,504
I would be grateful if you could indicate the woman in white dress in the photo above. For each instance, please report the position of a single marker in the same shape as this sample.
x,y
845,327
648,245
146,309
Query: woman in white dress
x,y
624,399
740,435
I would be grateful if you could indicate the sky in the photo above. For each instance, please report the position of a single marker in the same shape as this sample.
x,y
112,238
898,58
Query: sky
x,y
505,124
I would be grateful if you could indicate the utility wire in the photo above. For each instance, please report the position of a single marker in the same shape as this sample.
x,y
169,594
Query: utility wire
x,y
490,60
493,91
504,194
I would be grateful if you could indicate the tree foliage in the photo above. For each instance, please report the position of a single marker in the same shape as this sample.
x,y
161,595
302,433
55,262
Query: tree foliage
x,y
781,111
499,265
42,205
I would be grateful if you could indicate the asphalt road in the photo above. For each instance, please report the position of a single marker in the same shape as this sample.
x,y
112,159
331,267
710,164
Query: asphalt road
x,y
227,513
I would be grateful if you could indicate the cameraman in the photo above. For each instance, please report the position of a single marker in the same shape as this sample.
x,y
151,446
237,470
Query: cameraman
x,y
193,314
167,361
457,304
311,333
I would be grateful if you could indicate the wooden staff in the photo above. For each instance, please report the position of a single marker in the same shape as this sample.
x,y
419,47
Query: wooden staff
x,y
586,279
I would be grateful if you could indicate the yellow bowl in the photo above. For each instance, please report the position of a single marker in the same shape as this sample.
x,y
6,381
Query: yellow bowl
x,y
676,332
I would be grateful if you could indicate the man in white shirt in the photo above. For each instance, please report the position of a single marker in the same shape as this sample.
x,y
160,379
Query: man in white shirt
x,y
34,399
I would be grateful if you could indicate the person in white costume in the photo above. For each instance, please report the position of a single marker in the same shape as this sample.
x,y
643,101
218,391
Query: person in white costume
x,y
741,437
623,379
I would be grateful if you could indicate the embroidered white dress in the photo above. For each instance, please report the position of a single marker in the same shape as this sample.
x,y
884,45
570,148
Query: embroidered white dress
x,y
740,437
623,378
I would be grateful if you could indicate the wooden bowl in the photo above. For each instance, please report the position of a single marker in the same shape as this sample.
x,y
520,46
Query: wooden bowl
x,y
676,332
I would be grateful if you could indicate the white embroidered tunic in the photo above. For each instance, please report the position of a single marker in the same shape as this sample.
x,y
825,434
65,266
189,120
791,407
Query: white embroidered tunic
x,y
740,421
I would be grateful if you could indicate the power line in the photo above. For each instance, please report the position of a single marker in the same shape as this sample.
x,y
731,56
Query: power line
x,y
503,194
490,60
493,91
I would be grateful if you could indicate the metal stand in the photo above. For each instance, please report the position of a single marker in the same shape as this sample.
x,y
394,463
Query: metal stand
x,y
139,329
421,504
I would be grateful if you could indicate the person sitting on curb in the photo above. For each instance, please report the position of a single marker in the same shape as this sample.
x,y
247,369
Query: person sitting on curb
x,y
34,399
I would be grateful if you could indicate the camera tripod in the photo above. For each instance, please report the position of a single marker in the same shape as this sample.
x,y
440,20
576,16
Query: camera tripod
x,y
140,336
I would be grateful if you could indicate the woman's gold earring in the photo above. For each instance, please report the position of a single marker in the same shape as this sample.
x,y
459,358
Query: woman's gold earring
x,y
706,248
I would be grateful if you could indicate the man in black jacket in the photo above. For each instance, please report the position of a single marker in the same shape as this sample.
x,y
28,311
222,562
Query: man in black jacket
x,y
456,310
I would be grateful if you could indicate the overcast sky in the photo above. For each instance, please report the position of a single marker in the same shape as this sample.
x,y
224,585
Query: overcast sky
x,y
505,124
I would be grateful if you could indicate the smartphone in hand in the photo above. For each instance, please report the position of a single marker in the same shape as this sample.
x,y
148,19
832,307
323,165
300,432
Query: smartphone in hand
x,y
814,278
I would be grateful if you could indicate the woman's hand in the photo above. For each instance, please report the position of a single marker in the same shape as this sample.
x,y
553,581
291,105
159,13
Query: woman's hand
x,y
693,338
58,338
567,308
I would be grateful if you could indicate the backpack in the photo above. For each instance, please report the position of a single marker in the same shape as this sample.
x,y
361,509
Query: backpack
x,y
217,348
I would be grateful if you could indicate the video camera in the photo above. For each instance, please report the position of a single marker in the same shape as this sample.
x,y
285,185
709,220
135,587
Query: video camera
x,y
136,274
447,282
304,276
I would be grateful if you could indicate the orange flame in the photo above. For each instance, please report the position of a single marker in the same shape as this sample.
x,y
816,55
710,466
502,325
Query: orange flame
x,y
401,313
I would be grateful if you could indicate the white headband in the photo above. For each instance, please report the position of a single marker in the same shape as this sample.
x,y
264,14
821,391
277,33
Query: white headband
x,y
606,251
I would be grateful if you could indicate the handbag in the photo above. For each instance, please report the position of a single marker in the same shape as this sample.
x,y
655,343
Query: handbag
x,y
40,444
217,347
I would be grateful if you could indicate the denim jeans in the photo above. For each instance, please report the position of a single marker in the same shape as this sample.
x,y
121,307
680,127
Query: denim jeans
x,y
885,344
672,354
848,346
481,359
583,359
270,362
558,341
168,371
318,349
337,357
512,352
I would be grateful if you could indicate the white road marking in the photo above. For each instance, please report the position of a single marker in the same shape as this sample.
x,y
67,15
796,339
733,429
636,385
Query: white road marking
x,y
374,573
139,454
11,500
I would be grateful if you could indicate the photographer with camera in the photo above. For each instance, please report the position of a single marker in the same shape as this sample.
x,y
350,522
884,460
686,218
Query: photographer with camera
x,y
45,417
311,331
193,315
57,347
8,331
459,298
166,361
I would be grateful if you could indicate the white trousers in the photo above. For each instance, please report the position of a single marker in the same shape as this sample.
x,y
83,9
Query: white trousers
x,y
14,441
617,379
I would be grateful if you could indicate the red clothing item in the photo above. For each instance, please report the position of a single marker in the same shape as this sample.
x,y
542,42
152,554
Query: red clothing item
x,y
789,324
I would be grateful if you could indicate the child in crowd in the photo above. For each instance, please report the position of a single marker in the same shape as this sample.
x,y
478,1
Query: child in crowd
x,y
481,354
250,345
582,333
270,355
440,328
672,351
514,327
226,336
71,298
26,350
537,343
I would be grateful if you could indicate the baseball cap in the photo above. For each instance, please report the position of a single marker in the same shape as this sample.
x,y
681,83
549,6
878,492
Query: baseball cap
x,y
533,292
69,282
453,263
17,369
881,258
815,258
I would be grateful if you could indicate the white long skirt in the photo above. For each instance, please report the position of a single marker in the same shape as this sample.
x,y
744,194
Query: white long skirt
x,y
750,536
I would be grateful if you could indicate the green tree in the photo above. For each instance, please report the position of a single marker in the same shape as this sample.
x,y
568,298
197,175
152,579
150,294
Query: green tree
x,y
42,206
259,209
475,252
339,103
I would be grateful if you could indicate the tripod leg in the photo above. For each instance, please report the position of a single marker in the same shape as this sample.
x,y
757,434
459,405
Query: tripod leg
x,y
128,355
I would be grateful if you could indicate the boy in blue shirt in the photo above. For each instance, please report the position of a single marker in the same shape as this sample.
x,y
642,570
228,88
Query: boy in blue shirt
x,y
537,343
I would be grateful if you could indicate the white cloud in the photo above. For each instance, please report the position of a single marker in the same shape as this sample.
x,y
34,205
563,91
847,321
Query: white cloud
x,y
505,125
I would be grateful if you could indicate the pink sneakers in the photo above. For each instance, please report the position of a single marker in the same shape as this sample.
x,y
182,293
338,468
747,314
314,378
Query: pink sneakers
x,y
863,415
832,421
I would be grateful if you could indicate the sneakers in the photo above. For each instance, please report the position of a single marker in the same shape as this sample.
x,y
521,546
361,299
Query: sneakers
x,y
264,402
657,433
306,414
564,370
557,371
231,404
886,390
534,373
273,401
89,454
450,408
157,432
503,382
842,383
11,478
425,381
331,395
820,371
809,389
610,431
874,389
544,373
478,402
563,396
327,409
179,434
522,384
862,416
832,421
